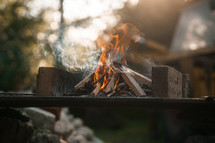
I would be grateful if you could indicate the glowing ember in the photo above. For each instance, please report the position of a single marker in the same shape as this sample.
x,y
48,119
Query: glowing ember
x,y
113,51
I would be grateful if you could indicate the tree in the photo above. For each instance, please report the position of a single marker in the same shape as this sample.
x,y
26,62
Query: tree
x,y
18,41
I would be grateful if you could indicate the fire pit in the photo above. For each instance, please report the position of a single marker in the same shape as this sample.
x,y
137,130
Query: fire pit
x,y
17,100
112,83
112,76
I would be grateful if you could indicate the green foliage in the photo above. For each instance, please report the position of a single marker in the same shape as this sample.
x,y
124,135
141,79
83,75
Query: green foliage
x,y
17,37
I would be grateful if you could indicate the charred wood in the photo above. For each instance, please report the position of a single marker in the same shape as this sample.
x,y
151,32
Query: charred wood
x,y
84,81
111,84
96,90
133,84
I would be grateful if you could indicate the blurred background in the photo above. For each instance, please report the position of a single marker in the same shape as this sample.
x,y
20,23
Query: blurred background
x,y
62,33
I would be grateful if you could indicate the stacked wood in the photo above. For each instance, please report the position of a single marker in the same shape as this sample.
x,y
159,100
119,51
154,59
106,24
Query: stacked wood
x,y
132,84
128,80
83,82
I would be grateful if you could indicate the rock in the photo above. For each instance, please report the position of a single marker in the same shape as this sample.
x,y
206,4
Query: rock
x,y
76,139
65,115
64,127
85,132
63,141
77,123
70,117
41,119
45,137
96,140
54,110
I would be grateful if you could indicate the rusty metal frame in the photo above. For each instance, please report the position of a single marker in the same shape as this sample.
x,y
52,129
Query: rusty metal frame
x,y
30,100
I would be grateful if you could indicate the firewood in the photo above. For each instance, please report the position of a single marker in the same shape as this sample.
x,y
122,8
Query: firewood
x,y
111,94
116,69
55,82
110,86
96,90
167,82
122,86
100,78
185,85
143,79
133,84
84,81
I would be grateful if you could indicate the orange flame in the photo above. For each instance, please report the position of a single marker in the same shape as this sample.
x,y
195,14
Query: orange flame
x,y
114,50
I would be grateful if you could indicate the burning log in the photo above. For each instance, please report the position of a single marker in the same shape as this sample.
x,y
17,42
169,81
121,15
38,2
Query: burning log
x,y
112,76
128,78
110,86
84,81
133,84
100,78
111,69
96,90
111,94
143,79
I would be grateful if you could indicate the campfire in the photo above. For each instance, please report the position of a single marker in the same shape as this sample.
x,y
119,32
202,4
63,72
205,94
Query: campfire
x,y
112,75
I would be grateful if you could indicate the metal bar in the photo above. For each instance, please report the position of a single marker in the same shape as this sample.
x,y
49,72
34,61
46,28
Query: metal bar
x,y
16,94
83,101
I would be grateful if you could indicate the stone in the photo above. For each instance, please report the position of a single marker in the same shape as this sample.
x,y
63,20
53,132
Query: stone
x,y
96,140
41,119
64,114
64,127
45,137
54,110
70,117
85,132
63,141
76,139
77,123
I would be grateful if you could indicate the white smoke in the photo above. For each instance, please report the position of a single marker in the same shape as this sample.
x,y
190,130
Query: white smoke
x,y
78,57
84,21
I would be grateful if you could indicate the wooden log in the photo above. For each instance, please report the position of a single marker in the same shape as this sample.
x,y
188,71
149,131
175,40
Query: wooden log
x,y
185,85
100,78
111,94
121,86
133,84
96,90
116,69
55,82
111,84
84,81
166,82
143,79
